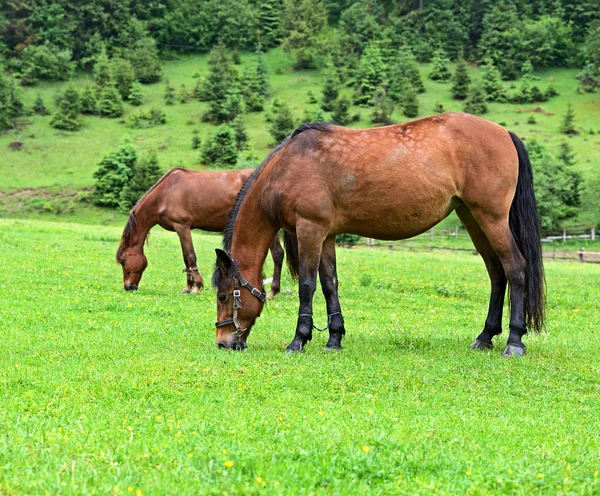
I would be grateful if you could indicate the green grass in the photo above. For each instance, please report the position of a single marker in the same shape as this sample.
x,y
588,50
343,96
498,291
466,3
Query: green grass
x,y
101,389
60,159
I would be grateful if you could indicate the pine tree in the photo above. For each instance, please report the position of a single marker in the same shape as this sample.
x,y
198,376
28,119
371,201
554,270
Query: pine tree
x,y
410,104
11,104
39,107
136,96
475,102
123,76
169,94
439,70
89,104
568,124
196,141
262,73
218,85
439,108
109,102
566,155
341,112
303,23
241,135
461,81
69,107
256,84
220,149
331,88
269,22
404,70
371,75
281,121
383,107
144,174
235,57
183,94
491,82
102,71
145,60
311,97
113,174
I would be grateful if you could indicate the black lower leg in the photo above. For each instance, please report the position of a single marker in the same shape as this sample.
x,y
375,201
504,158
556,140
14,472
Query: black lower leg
x,y
329,285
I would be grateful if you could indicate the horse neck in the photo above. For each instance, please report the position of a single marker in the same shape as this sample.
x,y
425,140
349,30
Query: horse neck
x,y
252,237
144,221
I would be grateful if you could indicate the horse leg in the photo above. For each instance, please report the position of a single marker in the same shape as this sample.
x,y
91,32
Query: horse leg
x,y
194,278
499,235
493,322
277,254
310,240
329,285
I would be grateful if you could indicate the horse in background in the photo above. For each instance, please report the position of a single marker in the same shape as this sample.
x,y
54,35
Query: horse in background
x,y
180,201
390,183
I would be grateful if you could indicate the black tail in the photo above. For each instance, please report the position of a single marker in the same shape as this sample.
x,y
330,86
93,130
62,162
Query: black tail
x,y
525,225
291,250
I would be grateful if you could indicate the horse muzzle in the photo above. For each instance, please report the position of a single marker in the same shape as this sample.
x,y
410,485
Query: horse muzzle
x,y
130,287
234,344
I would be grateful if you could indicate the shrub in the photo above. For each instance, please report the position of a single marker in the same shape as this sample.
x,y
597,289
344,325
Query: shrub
x,y
123,76
113,174
281,121
144,174
109,102
46,62
136,95
67,116
220,149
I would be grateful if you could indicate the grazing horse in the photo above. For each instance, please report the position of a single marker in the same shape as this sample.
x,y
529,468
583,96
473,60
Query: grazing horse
x,y
180,201
390,183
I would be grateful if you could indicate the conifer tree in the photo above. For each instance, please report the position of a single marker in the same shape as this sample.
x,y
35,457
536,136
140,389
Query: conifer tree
x,y
303,23
439,70
491,82
331,88
241,135
269,22
218,85
439,108
183,94
123,76
341,111
102,71
461,81
136,96
256,84
113,173
67,115
39,107
281,121
371,75
109,102
89,104
196,141
144,174
262,73
568,124
410,104
404,70
220,149
145,60
475,102
11,104
383,107
169,94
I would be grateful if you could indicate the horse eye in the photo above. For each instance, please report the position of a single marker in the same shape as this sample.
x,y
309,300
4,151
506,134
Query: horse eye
x,y
222,298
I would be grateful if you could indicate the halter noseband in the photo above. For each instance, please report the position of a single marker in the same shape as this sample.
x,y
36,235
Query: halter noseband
x,y
239,281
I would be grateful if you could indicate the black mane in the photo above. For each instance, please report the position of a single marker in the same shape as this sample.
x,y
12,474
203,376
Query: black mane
x,y
228,231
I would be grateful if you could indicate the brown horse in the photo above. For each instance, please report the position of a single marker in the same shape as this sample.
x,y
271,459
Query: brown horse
x,y
180,201
392,183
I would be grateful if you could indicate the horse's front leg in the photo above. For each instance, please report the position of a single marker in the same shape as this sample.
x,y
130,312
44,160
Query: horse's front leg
x,y
194,278
310,240
329,285
277,254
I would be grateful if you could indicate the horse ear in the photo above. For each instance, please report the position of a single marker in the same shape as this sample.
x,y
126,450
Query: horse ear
x,y
224,261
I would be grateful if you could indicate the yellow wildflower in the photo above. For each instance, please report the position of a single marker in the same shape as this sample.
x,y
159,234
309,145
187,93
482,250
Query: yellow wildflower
x,y
228,464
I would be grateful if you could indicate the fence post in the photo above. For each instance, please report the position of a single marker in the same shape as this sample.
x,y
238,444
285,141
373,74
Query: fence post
x,y
410,246
581,254
564,235
431,234
391,246
593,233
554,254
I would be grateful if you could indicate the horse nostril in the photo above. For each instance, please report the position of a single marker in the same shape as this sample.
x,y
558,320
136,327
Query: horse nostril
x,y
221,345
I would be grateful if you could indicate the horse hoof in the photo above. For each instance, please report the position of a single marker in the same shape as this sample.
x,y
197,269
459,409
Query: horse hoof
x,y
514,350
185,291
337,347
194,291
295,347
478,344
271,296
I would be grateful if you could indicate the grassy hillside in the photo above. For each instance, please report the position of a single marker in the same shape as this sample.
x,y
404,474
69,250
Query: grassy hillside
x,y
62,163
106,392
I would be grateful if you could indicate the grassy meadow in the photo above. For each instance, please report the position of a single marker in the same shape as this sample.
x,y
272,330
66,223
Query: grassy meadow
x,y
106,392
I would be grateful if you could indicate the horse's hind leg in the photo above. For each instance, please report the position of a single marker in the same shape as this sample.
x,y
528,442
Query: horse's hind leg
x,y
194,278
329,284
493,322
501,239
277,253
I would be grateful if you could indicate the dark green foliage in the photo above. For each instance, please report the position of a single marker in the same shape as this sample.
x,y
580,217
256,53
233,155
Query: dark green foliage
x,y
589,78
269,22
221,89
196,141
235,57
281,122
89,104
169,94
313,115
439,108
557,185
113,174
551,92
331,87
220,150
404,72
568,124
303,24
311,97
475,103
150,118
445,26
491,82
145,61
136,95
11,105
262,74
383,107
341,111
183,96
145,172
347,240
461,81
371,75
109,102
123,76
439,70
46,61
39,107
102,71
531,120
241,135
256,84
359,25
409,102
67,115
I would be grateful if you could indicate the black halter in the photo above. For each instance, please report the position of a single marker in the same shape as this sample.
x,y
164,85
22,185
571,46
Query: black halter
x,y
239,281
